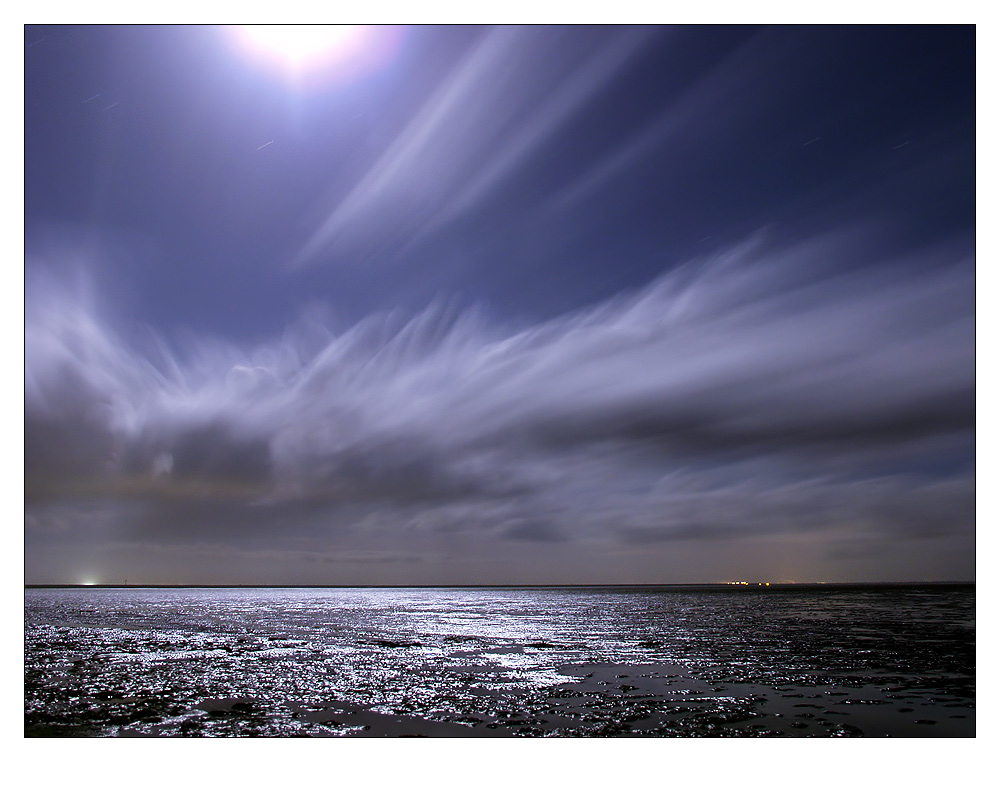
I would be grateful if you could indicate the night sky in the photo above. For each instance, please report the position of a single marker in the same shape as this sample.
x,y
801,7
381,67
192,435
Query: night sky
x,y
473,305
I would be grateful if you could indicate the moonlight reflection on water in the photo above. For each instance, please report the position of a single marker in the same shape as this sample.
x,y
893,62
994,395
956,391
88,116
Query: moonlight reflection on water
x,y
500,662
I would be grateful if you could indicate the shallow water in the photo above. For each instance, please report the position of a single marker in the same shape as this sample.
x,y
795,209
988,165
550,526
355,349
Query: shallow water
x,y
500,662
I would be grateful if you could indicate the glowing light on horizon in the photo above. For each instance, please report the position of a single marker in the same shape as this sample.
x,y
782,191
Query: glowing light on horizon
x,y
747,583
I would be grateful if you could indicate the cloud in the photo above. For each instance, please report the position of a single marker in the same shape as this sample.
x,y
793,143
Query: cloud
x,y
515,89
796,389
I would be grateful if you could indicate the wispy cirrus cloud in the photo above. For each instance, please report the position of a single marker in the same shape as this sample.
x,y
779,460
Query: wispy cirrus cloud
x,y
765,389
512,93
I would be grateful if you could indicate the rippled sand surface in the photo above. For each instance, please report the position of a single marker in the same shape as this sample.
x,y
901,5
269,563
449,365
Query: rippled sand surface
x,y
500,662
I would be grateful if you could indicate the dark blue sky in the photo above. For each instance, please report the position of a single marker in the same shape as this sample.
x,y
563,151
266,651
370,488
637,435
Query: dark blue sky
x,y
567,303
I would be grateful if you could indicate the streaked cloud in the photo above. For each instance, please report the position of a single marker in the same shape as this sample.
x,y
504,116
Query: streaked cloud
x,y
767,390
514,90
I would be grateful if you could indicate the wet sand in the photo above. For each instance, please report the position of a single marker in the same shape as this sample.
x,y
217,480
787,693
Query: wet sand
x,y
465,664
618,700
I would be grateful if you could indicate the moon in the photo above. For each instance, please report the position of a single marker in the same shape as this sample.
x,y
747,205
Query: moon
x,y
307,51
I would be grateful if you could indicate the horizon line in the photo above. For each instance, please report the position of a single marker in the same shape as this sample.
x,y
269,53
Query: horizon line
x,y
716,584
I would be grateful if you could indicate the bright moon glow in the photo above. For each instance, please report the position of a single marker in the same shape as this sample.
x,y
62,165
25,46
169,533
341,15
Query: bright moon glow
x,y
300,44
310,51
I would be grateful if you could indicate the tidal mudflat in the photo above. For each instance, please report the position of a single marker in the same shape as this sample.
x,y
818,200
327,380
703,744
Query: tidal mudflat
x,y
589,661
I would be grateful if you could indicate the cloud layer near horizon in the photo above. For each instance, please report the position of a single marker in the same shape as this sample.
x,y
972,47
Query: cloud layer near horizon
x,y
803,392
